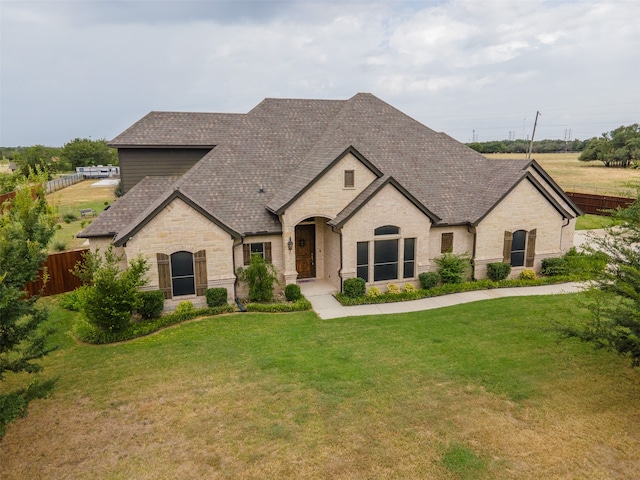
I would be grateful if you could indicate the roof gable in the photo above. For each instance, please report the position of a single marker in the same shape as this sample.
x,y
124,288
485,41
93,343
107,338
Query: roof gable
x,y
305,176
370,192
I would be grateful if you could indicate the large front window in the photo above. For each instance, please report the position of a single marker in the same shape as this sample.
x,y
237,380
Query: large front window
x,y
385,260
409,258
182,274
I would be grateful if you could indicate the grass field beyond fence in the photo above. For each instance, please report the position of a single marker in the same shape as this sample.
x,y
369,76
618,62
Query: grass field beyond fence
x,y
478,391
584,177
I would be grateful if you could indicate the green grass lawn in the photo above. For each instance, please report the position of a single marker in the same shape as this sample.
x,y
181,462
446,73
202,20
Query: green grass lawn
x,y
590,222
481,390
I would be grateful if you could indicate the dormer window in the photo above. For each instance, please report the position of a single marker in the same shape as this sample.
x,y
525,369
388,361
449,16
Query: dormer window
x,y
349,179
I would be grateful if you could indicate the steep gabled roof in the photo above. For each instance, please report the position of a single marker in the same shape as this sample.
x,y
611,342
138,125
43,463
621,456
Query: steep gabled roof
x,y
126,209
265,159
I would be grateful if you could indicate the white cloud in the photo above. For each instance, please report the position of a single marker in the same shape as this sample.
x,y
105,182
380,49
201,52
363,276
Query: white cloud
x,y
91,68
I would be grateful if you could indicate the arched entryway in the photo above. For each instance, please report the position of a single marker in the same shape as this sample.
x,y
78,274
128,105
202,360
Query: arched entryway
x,y
317,250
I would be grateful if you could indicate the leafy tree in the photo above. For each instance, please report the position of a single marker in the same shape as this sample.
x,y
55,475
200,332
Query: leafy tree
x,y
260,276
614,304
619,148
81,152
112,295
26,226
39,158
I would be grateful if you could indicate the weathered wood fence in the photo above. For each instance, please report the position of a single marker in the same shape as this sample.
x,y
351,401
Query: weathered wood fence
x,y
598,204
60,279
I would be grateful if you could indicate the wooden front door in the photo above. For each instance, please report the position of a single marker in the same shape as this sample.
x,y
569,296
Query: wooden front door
x,y
306,251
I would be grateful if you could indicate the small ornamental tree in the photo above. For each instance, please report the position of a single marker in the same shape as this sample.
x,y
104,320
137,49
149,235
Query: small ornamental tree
x,y
615,293
260,276
112,296
26,226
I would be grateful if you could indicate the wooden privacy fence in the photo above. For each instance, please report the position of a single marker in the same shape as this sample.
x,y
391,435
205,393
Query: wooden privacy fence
x,y
598,204
60,279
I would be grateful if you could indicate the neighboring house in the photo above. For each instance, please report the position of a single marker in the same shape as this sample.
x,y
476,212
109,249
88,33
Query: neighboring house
x,y
324,189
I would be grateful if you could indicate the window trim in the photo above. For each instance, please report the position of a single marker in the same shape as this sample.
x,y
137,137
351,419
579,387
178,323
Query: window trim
x,y
247,252
349,179
446,242
175,277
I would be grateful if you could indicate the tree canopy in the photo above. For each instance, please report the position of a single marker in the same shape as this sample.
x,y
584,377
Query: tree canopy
x,y
618,148
39,158
81,152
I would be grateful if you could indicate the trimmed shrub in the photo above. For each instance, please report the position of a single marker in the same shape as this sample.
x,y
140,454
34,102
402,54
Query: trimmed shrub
x,y
429,280
300,305
453,268
185,307
292,292
555,266
374,292
498,271
409,287
585,264
393,289
354,287
216,297
527,275
151,304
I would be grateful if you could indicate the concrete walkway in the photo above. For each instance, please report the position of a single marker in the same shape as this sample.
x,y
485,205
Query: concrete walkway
x,y
320,294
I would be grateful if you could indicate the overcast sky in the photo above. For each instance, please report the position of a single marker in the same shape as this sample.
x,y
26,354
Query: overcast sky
x,y
470,68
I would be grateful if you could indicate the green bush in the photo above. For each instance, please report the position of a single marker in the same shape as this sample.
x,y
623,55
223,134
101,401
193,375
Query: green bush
x,y
374,292
59,246
151,304
113,296
453,268
527,275
73,300
300,305
354,287
555,266
69,217
498,271
409,287
86,332
260,276
216,297
185,307
588,264
393,289
292,292
429,280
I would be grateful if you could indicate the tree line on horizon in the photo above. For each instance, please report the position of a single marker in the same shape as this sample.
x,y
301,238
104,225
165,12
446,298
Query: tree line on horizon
x,y
79,152
617,148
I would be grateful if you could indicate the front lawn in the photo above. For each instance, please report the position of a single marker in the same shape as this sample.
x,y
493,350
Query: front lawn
x,y
481,390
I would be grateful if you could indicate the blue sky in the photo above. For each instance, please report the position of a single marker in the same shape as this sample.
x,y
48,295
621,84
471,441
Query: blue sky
x,y
470,68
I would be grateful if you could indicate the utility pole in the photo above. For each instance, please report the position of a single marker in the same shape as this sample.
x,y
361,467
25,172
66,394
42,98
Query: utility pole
x,y
533,135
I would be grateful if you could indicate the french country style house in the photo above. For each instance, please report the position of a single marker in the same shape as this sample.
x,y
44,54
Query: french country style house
x,y
323,189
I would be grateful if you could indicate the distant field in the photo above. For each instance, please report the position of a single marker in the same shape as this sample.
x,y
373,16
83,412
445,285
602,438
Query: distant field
x,y
585,177
71,200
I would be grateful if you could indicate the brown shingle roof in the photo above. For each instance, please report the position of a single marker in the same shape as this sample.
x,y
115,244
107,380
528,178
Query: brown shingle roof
x,y
264,159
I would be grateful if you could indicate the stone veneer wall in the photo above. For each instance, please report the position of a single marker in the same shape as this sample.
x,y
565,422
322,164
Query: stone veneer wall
x,y
388,207
176,228
277,252
525,208
325,198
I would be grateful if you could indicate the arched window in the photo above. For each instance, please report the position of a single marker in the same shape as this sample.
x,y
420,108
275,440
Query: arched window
x,y
518,245
183,278
387,230
520,248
